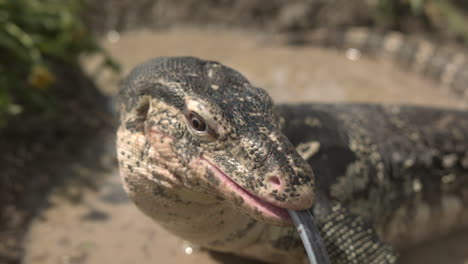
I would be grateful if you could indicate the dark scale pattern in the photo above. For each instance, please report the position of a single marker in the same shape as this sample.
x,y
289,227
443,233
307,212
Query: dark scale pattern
x,y
350,239
386,158
445,64
382,173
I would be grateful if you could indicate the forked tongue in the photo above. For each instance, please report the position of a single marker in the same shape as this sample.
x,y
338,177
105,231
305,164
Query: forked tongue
x,y
310,236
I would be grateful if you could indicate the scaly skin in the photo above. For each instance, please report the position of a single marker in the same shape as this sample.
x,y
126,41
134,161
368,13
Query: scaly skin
x,y
209,157
445,64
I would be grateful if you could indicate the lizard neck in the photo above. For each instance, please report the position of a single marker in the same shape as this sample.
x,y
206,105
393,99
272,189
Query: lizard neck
x,y
207,221
196,217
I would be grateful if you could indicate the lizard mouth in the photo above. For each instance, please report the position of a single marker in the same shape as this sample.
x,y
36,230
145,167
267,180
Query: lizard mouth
x,y
268,212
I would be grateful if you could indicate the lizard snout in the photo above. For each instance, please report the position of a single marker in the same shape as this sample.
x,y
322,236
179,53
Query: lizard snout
x,y
287,192
275,183
289,179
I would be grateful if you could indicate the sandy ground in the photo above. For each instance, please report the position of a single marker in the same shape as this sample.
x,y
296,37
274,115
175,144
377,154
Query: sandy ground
x,y
104,227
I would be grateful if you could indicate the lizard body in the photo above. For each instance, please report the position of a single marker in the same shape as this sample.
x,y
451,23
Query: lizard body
x,y
442,63
403,168
213,160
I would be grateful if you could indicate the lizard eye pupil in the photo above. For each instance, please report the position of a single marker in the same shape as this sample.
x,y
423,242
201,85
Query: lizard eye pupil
x,y
197,122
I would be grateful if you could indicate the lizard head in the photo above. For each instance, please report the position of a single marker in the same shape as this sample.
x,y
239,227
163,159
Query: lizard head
x,y
198,126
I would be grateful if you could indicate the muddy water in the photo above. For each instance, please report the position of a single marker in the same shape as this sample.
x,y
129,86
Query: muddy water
x,y
106,228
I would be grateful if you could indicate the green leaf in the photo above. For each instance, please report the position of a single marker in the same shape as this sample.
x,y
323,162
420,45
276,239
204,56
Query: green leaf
x,y
36,32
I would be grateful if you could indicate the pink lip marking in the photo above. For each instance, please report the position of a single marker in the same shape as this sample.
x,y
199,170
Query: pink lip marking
x,y
264,207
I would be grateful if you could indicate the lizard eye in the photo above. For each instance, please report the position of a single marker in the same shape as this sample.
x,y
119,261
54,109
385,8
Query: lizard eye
x,y
197,123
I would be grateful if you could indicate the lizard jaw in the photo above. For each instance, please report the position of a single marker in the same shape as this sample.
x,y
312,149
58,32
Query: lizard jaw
x,y
268,212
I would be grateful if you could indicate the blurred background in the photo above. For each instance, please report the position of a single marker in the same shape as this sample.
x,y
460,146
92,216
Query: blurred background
x,y
60,64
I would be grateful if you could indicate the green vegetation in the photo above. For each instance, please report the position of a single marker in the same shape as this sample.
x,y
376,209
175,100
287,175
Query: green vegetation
x,y
35,36
448,16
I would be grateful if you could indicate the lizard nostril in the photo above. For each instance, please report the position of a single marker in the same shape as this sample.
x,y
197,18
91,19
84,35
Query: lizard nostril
x,y
275,181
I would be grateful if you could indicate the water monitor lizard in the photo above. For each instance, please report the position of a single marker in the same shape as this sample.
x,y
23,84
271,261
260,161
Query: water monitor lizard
x,y
446,64
210,157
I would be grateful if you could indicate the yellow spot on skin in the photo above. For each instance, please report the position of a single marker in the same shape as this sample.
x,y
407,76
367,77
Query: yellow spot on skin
x,y
281,121
308,149
448,161
312,122
448,178
408,163
417,186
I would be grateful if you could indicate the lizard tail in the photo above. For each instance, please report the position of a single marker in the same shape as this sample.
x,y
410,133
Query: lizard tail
x,y
443,63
